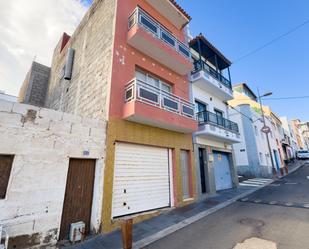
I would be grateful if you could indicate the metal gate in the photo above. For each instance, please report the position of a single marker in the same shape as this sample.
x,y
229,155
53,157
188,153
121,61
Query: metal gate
x,y
222,170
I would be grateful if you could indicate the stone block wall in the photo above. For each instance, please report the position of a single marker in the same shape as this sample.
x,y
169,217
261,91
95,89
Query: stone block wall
x,y
42,142
33,90
87,93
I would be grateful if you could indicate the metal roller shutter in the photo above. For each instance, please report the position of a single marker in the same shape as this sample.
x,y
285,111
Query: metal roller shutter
x,y
141,179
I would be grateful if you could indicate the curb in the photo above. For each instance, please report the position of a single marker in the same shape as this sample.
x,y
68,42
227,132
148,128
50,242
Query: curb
x,y
174,228
167,231
293,170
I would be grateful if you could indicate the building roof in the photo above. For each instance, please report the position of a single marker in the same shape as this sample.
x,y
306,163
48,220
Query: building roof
x,y
247,87
181,9
209,51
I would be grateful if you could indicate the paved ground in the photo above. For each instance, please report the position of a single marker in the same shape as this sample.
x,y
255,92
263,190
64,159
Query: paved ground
x,y
167,220
278,213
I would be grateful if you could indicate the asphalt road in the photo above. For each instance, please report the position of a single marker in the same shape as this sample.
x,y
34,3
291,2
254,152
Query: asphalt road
x,y
279,213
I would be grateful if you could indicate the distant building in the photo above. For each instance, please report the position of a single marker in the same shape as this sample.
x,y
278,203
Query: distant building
x,y
33,90
7,97
304,130
295,125
252,153
289,142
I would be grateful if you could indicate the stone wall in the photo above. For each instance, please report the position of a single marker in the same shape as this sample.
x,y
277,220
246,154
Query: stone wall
x,y
87,93
33,90
42,142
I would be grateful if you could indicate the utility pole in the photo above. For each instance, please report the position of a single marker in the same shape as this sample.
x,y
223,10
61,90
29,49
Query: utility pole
x,y
267,137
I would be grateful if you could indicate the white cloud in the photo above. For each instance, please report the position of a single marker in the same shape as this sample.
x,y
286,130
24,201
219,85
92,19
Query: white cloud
x,y
30,28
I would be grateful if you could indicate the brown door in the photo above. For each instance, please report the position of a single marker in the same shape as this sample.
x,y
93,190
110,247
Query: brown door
x,y
78,195
5,171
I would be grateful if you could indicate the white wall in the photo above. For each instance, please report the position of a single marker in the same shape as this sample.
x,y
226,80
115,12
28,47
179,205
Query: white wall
x,y
211,101
240,149
261,140
42,141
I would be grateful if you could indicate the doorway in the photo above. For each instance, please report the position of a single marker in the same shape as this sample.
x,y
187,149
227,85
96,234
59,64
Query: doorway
x,y
78,195
202,153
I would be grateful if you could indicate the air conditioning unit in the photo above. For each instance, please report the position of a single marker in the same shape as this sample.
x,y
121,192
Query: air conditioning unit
x,y
77,232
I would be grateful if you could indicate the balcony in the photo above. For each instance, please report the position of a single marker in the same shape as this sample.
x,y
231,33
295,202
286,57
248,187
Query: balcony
x,y
171,11
208,79
152,106
148,36
217,128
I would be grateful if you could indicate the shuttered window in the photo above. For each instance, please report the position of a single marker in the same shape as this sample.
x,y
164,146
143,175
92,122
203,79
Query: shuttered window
x,y
5,171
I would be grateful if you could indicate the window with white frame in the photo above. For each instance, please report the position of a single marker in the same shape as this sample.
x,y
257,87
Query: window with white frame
x,y
261,158
152,80
262,134
255,130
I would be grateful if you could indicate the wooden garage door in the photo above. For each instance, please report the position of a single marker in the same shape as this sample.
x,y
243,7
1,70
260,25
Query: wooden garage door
x,y
78,195
141,179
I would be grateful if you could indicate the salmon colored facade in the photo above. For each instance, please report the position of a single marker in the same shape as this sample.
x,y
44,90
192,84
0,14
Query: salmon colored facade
x,y
139,122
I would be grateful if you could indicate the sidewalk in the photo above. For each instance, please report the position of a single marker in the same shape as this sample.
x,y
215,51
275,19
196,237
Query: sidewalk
x,y
150,230
146,232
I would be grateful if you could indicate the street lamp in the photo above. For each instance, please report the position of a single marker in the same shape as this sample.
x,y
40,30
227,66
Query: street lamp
x,y
266,130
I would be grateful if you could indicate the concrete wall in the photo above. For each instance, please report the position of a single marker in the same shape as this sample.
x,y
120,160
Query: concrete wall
x,y
212,102
255,161
42,142
87,93
33,90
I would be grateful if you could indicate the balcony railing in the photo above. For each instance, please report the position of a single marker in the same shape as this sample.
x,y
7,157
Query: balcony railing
x,y
146,93
212,118
201,65
141,18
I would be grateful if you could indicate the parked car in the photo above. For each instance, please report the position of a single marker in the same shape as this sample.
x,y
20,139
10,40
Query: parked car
x,y
303,154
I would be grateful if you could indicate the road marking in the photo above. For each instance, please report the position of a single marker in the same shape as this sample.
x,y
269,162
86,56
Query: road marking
x,y
245,199
258,201
291,183
256,243
289,204
273,202
255,182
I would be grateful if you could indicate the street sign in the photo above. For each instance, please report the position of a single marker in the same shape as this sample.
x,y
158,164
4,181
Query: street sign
x,y
265,129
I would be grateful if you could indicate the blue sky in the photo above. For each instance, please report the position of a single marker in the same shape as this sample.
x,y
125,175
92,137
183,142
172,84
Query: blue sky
x,y
239,26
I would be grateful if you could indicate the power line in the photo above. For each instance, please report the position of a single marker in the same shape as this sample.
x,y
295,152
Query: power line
x,y
271,42
285,98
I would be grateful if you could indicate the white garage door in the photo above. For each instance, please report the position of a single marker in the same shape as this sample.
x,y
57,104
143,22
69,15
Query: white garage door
x,y
141,179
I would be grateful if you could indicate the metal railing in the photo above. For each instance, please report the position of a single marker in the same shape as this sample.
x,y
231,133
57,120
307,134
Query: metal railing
x,y
212,118
201,65
146,93
144,20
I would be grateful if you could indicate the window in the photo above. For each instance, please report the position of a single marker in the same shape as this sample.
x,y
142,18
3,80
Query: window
x,y
256,131
261,158
200,107
168,38
262,134
267,159
5,172
183,49
148,24
152,80
219,115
